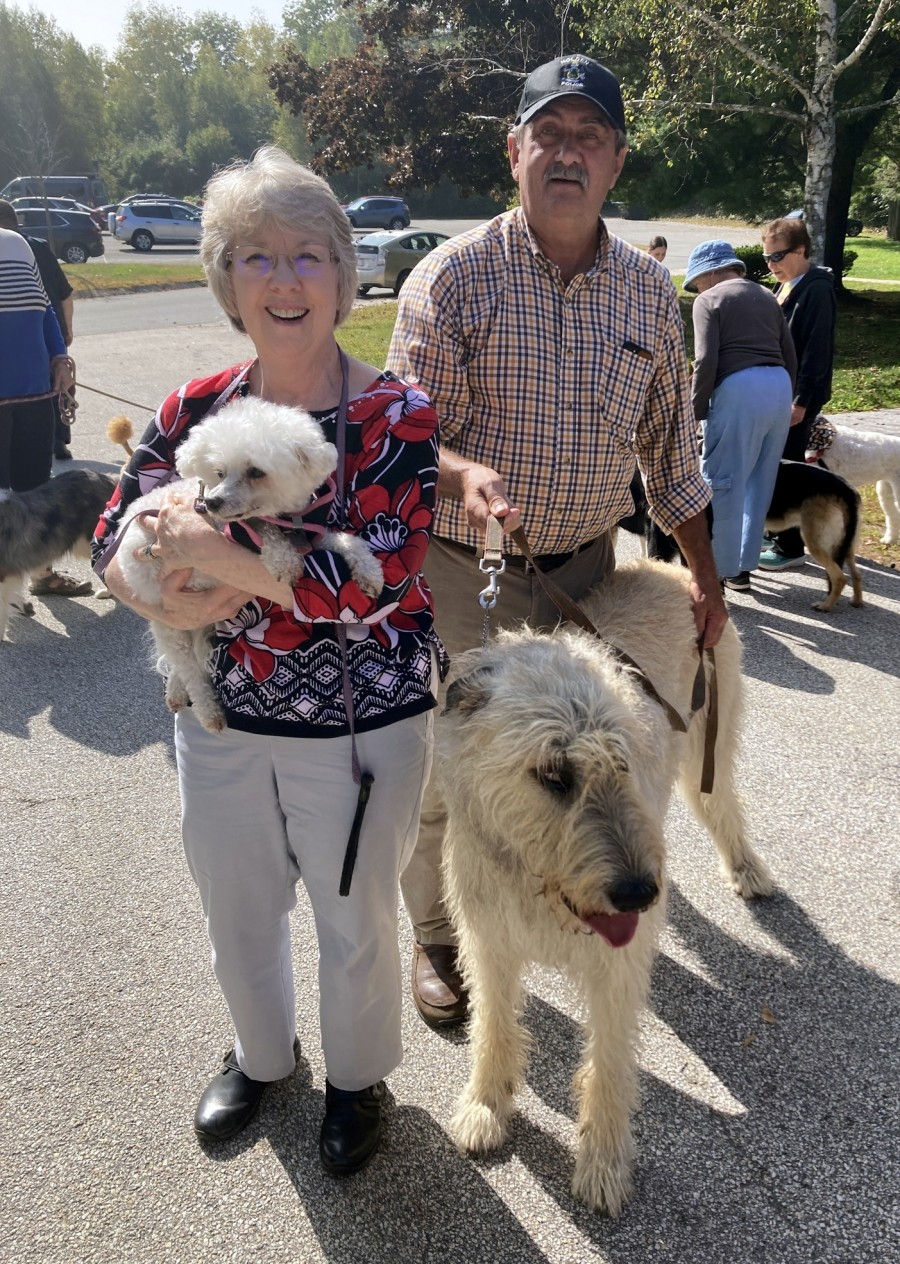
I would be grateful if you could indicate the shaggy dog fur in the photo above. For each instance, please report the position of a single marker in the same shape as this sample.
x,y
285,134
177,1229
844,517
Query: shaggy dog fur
x,y
253,460
824,507
557,770
38,527
863,457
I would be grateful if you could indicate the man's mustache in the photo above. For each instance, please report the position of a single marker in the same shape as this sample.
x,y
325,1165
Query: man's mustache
x,y
573,172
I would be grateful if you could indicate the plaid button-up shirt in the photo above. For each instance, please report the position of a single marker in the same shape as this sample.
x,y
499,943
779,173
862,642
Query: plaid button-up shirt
x,y
557,387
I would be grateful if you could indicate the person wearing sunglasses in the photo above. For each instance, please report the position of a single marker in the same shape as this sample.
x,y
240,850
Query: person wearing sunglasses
x,y
806,295
323,685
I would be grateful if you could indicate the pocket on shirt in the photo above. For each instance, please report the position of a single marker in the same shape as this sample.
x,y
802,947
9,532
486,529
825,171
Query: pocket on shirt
x,y
627,376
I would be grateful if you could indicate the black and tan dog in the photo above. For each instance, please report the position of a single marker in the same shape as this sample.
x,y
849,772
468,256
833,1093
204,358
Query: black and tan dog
x,y
824,507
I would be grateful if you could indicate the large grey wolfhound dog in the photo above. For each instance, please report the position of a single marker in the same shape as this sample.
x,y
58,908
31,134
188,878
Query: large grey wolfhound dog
x,y
557,770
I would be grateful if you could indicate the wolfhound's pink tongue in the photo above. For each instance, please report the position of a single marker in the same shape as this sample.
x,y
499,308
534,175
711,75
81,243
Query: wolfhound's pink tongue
x,y
616,928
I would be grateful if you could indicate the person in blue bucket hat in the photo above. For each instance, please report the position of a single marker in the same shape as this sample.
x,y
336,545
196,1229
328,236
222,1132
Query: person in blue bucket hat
x,y
741,390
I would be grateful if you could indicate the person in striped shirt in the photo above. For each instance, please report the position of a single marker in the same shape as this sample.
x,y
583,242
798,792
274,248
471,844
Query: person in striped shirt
x,y
553,353
34,366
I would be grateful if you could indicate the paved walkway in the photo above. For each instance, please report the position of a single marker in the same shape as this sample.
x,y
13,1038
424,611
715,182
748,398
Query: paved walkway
x,y
886,419
775,1143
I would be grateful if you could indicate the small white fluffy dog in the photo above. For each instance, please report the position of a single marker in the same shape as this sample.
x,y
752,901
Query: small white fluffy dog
x,y
253,460
557,770
864,457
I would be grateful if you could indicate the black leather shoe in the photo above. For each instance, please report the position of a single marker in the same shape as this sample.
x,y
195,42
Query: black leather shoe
x,y
351,1128
230,1101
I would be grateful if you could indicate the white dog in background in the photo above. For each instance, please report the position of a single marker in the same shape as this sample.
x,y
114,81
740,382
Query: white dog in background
x,y
253,460
862,457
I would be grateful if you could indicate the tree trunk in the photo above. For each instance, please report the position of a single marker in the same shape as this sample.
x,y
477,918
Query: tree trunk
x,y
893,231
50,242
820,149
851,140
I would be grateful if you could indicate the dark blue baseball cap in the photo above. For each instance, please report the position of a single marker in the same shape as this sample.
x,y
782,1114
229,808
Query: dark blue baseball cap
x,y
573,76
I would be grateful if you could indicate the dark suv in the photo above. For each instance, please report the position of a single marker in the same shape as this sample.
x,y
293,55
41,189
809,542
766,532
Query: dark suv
x,y
377,212
76,238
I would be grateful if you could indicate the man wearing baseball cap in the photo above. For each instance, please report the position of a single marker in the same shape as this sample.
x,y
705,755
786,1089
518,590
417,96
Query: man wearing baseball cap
x,y
552,350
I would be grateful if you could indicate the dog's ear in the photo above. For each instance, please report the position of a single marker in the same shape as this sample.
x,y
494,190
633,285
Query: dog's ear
x,y
187,456
468,693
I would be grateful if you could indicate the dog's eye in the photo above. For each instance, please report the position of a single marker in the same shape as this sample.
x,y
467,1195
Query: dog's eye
x,y
557,780
255,473
220,474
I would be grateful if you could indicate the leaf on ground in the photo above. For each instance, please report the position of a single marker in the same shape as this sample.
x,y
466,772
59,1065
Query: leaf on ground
x,y
767,1015
748,1040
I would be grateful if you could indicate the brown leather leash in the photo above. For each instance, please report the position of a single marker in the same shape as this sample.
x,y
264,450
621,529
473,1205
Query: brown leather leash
x,y
574,614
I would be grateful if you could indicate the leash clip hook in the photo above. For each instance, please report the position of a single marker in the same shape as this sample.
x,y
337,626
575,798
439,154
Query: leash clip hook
x,y
487,598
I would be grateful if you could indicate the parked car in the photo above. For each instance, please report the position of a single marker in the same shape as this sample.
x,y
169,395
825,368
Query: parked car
x,y
386,259
854,226
377,212
89,189
76,238
146,224
61,204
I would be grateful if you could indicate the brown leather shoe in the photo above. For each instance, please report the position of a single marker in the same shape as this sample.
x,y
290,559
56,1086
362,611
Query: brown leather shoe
x,y
437,985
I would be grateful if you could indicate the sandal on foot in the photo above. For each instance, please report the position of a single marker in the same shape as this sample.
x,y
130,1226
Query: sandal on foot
x,y
54,585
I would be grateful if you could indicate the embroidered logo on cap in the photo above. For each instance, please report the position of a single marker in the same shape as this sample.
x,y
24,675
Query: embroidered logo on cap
x,y
572,72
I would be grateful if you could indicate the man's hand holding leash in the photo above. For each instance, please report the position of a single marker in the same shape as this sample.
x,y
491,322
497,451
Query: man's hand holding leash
x,y
710,612
481,490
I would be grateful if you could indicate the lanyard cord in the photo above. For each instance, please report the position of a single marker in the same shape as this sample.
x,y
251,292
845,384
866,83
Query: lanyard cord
x,y
364,780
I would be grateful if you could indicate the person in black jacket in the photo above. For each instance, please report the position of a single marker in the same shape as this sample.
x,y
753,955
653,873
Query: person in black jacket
x,y
59,292
806,295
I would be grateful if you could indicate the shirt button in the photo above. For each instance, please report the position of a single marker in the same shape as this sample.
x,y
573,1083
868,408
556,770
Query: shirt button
x,y
569,352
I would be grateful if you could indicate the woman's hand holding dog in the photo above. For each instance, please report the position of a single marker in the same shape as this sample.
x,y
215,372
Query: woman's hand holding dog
x,y
185,539
189,610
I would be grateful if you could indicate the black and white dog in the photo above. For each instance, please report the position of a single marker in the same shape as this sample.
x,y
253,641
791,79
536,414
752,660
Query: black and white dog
x,y
39,527
825,508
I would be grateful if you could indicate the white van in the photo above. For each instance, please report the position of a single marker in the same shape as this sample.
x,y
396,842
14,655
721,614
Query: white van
x,y
89,190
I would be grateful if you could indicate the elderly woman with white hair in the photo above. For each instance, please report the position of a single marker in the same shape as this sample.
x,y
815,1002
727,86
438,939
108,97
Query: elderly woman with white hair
x,y
324,687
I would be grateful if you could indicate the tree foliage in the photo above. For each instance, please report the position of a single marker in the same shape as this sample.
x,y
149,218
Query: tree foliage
x,y
51,102
822,72
429,91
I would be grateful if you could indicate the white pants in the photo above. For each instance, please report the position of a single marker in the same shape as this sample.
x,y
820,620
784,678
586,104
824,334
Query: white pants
x,y
257,814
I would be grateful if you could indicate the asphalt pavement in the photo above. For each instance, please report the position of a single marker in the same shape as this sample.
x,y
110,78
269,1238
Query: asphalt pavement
x,y
775,1142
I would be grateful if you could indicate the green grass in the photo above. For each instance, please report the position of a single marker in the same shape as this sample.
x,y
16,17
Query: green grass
x,y
96,277
366,333
867,350
878,259
870,545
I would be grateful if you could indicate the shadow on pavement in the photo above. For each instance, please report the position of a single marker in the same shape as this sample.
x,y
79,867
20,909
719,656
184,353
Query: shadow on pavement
x,y
418,1200
97,682
868,636
807,1164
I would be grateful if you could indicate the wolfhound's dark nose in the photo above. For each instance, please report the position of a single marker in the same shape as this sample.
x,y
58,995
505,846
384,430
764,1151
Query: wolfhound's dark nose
x,y
632,895
213,503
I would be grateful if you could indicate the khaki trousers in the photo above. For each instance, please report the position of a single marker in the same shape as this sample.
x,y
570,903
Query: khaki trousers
x,y
455,581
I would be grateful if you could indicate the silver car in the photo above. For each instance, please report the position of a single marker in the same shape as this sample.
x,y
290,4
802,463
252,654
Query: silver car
x,y
144,225
386,259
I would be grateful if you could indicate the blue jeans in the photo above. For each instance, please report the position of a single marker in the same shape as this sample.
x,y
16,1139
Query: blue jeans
x,y
743,438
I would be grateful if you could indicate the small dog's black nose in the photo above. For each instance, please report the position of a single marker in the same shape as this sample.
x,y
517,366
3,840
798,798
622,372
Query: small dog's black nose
x,y
213,503
632,895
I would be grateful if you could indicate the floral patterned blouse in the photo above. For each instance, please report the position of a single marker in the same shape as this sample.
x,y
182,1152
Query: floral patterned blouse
x,y
279,671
